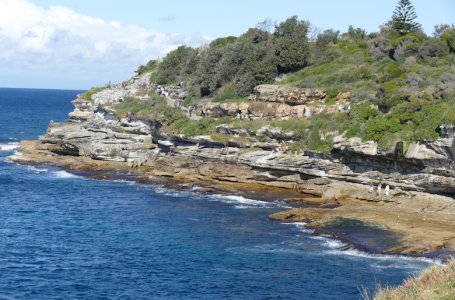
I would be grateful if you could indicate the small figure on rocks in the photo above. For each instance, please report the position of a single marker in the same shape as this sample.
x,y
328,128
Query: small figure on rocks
x,y
371,189
379,188
387,189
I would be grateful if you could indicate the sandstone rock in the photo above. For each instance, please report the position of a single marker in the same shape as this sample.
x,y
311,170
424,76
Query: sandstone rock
x,y
230,130
286,94
118,92
343,96
421,150
356,145
275,133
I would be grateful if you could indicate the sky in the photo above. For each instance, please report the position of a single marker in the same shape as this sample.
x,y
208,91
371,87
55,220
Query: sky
x,y
77,44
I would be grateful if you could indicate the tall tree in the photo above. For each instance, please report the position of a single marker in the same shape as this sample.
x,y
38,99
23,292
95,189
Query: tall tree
x,y
291,44
403,18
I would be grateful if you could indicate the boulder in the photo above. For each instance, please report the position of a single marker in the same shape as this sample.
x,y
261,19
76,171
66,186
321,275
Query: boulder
x,y
275,133
356,145
343,96
231,130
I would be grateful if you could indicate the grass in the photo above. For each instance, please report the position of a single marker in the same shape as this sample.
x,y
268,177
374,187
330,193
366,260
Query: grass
x,y
434,283
88,94
152,109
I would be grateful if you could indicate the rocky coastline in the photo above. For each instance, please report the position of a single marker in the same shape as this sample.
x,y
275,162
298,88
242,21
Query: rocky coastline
x,y
342,184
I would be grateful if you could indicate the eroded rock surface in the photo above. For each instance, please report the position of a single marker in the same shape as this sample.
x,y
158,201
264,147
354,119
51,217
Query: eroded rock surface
x,y
95,138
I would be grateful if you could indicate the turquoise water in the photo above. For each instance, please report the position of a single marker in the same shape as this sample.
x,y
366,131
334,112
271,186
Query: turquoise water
x,y
67,237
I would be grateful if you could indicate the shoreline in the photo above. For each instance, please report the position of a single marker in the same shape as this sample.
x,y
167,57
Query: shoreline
x,y
414,238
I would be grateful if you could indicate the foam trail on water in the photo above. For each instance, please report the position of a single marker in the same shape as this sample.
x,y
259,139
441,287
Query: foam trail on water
x,y
242,202
337,247
9,146
36,170
300,226
64,174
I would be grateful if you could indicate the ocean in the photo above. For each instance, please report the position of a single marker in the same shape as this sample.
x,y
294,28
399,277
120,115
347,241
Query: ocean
x,y
63,236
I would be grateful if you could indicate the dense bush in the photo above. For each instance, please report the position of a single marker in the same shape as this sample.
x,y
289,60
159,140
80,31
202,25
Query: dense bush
x,y
401,81
433,47
170,68
291,44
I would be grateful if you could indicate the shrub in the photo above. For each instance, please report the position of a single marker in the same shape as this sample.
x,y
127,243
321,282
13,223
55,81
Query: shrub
x,y
449,38
326,38
148,67
355,34
291,44
433,47
170,68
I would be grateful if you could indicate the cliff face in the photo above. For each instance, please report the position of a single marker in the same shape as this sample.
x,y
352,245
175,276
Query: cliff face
x,y
95,138
94,131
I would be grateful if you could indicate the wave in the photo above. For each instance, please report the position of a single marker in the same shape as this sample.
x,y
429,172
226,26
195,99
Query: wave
x,y
37,170
351,251
241,202
63,174
337,247
9,146
300,226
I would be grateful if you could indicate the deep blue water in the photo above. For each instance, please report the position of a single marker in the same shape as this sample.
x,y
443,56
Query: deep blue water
x,y
68,237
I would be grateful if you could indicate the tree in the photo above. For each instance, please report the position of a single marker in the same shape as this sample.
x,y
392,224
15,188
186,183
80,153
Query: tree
x,y
291,44
170,68
403,18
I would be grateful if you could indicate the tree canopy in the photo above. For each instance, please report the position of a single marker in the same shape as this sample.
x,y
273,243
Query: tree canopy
x,y
403,18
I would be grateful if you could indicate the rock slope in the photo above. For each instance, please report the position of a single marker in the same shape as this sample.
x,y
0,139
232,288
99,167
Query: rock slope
x,y
94,137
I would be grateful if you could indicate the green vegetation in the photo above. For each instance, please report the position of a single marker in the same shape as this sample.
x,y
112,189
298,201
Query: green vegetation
x,y
403,18
153,109
88,94
435,283
256,57
402,82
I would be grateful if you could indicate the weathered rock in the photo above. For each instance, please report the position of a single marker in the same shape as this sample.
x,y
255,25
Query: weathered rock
x,y
286,94
275,133
230,130
343,96
135,87
356,145
440,149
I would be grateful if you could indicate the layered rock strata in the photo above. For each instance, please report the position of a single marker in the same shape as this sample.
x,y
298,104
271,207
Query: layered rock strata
x,y
95,138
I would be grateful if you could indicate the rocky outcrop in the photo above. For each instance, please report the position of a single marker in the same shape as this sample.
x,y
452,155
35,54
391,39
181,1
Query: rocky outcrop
x,y
286,94
355,145
95,138
267,110
94,131
440,149
137,87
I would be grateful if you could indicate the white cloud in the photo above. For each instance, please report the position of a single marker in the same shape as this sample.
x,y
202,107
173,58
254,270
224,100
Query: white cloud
x,y
57,39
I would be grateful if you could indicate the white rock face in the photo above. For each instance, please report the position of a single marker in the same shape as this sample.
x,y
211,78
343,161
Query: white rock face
x,y
119,91
356,145
422,151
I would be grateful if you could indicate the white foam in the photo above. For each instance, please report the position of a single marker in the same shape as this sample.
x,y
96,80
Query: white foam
x,y
242,202
9,146
64,174
329,242
358,253
37,170
301,226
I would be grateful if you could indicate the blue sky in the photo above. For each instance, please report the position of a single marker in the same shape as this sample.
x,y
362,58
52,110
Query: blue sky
x,y
83,43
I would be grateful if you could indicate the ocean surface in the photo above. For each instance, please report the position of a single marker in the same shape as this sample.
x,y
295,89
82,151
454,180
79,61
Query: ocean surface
x,y
68,237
